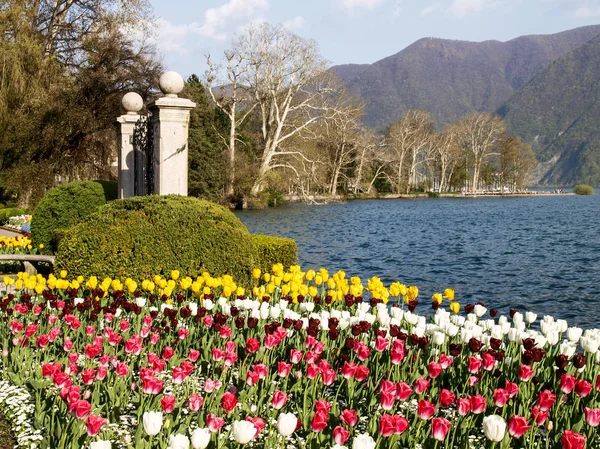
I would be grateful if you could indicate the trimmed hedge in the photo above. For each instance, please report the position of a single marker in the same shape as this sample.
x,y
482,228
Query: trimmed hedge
x,y
583,189
65,206
143,236
272,250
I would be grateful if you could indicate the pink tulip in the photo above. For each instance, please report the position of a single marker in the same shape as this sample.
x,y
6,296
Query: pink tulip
x,y
195,402
279,400
425,409
592,416
439,428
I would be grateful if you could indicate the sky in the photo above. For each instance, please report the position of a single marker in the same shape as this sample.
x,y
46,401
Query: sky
x,y
355,31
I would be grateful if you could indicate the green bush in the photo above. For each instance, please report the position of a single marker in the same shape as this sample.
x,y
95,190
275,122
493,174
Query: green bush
x,y
65,206
272,250
5,214
583,189
143,236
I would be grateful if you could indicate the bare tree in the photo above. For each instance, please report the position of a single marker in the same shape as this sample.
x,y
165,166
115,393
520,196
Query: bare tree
x,y
448,153
367,144
285,73
228,100
479,134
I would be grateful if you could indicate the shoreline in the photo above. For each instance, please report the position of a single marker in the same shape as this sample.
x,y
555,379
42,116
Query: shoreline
x,y
319,199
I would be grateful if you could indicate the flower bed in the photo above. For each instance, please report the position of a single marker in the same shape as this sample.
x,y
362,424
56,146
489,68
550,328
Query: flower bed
x,y
296,360
20,223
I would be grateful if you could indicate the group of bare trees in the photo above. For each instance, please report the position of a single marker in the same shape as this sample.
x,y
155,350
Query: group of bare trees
x,y
310,137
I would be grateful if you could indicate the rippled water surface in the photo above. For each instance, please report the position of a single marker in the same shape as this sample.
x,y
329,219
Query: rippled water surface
x,y
536,253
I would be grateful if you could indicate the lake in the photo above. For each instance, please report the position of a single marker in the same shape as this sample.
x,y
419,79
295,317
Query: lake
x,y
533,253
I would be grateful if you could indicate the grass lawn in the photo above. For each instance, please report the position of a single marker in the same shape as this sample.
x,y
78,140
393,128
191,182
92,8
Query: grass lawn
x,y
7,441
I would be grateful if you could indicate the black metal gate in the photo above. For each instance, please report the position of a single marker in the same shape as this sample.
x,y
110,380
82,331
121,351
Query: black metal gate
x,y
143,149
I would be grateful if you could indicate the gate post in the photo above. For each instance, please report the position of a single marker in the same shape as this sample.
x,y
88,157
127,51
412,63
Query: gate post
x,y
133,103
171,117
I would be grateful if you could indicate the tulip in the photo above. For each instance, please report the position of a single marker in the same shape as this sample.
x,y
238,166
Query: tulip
x,y
340,435
363,441
200,438
286,424
572,440
214,423
387,426
439,428
583,388
228,402
100,444
446,398
179,441
279,400
195,402
243,431
153,422
592,416
494,428
167,403
477,403
501,397
93,424
425,409
517,426
349,417
546,400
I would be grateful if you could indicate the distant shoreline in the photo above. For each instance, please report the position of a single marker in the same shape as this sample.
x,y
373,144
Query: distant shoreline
x,y
340,198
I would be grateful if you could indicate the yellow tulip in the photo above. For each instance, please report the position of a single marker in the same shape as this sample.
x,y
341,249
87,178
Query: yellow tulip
x,y
240,291
175,275
256,273
437,297
266,277
455,307
449,294
63,274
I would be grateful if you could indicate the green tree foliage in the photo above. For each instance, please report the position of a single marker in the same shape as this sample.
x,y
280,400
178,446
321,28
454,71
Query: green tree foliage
x,y
583,189
66,65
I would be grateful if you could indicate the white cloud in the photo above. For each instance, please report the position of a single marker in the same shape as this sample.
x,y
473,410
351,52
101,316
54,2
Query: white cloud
x,y
397,9
462,8
369,4
171,37
428,10
296,23
218,21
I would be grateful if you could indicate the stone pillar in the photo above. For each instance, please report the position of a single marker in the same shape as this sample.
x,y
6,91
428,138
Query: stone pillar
x,y
171,117
132,103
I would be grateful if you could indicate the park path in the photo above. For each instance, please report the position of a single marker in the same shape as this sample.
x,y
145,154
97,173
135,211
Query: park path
x,y
7,233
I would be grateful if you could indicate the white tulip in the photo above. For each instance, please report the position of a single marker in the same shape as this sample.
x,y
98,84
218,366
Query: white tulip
x,y
479,310
589,344
194,308
439,338
466,335
101,444
153,422
200,438
517,318
226,309
140,302
363,441
472,317
275,312
179,441
286,424
553,337
530,317
411,318
494,428
562,325
78,301
567,348
208,304
574,334
243,431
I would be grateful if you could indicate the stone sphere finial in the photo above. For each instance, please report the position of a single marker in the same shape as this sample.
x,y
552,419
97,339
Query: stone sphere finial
x,y
132,102
171,83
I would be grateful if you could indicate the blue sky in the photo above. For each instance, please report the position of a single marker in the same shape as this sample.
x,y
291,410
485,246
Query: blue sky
x,y
356,31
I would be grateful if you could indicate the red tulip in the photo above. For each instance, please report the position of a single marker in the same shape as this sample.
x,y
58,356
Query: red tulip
x,y
279,400
425,409
228,402
340,435
319,422
88,375
167,403
446,397
362,372
403,391
572,440
387,400
252,345
434,369
400,424
517,426
567,383
283,369
525,373
463,406
121,369
381,344
252,378
439,428
322,406
446,360
152,385
489,362
61,380
421,385
501,397
512,388
539,415
195,402
80,408
193,355
261,369
348,370
592,416
214,423
295,356
217,354
93,424
546,400
258,422
312,370
477,403
102,372
583,388
397,352
349,417
474,364
387,426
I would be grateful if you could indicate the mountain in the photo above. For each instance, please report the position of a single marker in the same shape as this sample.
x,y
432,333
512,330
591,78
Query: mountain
x,y
558,113
452,78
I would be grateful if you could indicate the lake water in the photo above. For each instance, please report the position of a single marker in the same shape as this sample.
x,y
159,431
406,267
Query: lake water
x,y
533,253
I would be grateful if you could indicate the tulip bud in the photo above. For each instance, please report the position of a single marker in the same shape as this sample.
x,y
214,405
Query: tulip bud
x,y
286,424
494,428
200,438
153,422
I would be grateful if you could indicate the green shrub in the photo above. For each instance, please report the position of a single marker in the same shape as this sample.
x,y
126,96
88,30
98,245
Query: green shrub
x,y
272,250
5,214
583,189
143,236
433,194
65,206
